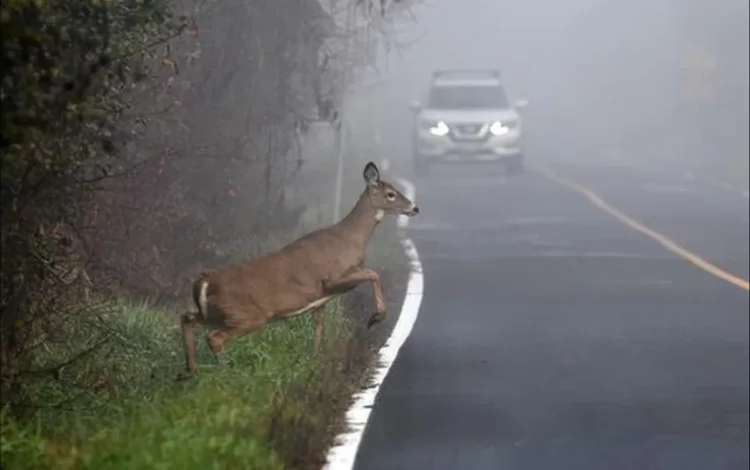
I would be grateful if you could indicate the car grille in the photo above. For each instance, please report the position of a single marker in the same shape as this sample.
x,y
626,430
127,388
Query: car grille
x,y
468,131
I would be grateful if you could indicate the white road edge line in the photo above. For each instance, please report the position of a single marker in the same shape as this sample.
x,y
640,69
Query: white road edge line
x,y
344,452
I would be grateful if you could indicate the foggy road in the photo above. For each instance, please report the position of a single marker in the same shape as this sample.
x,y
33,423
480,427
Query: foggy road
x,y
553,336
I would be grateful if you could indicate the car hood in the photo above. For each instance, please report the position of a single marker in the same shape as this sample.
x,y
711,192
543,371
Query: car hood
x,y
469,115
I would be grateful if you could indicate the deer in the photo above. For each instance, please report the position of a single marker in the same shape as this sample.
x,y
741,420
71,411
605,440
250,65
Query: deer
x,y
299,278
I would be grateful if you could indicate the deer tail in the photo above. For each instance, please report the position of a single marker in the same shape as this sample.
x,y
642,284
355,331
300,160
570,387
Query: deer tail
x,y
200,296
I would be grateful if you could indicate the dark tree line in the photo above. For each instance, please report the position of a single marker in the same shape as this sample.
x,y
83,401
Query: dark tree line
x,y
142,141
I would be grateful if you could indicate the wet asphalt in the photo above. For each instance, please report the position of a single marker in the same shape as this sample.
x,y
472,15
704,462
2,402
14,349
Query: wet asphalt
x,y
552,336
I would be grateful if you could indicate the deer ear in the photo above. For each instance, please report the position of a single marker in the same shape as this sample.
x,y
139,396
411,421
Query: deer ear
x,y
371,174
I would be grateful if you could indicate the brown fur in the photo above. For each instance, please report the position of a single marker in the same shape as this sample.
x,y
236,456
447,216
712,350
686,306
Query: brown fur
x,y
298,278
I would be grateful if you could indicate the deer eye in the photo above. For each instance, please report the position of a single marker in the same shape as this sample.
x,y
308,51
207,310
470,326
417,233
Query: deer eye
x,y
390,195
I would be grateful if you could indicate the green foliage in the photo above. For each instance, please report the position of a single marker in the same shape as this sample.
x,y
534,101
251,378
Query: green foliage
x,y
269,411
155,155
66,66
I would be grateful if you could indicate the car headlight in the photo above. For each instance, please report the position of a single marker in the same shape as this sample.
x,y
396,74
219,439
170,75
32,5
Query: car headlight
x,y
438,129
498,128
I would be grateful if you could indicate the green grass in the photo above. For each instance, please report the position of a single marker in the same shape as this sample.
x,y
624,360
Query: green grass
x,y
272,410
277,408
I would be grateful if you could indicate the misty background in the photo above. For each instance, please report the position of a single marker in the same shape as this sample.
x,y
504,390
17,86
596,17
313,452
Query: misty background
x,y
606,79
144,142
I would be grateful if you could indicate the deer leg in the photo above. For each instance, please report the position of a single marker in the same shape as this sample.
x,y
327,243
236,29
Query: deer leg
x,y
358,276
218,338
319,315
188,321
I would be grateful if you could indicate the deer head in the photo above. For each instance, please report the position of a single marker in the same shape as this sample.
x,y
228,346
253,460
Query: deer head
x,y
384,197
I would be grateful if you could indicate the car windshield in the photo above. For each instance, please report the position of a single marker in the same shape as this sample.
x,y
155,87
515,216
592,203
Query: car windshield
x,y
467,97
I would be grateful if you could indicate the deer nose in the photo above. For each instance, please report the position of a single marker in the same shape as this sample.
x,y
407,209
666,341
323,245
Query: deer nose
x,y
415,210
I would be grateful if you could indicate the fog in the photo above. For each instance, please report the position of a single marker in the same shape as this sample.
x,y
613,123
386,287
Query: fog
x,y
604,78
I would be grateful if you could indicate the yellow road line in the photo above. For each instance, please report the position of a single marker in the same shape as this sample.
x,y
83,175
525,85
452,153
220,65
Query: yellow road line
x,y
597,201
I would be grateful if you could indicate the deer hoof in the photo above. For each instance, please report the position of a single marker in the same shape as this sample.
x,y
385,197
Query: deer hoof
x,y
375,319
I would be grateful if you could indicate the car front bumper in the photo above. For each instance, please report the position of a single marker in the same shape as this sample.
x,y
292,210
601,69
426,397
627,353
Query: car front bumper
x,y
445,149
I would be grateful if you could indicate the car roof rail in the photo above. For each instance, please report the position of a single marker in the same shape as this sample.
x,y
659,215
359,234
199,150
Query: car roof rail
x,y
495,73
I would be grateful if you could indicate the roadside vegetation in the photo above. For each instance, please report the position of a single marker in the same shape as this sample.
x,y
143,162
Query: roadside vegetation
x,y
118,405
143,141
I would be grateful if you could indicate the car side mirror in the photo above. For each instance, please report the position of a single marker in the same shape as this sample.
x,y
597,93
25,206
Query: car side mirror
x,y
521,104
415,106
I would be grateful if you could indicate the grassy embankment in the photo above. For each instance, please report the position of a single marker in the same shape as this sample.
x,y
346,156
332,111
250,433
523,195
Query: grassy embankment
x,y
278,408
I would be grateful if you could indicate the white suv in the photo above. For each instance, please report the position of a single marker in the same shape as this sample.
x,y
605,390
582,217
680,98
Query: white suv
x,y
467,118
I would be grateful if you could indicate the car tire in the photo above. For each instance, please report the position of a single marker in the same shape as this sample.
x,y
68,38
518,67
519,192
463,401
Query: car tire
x,y
515,166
